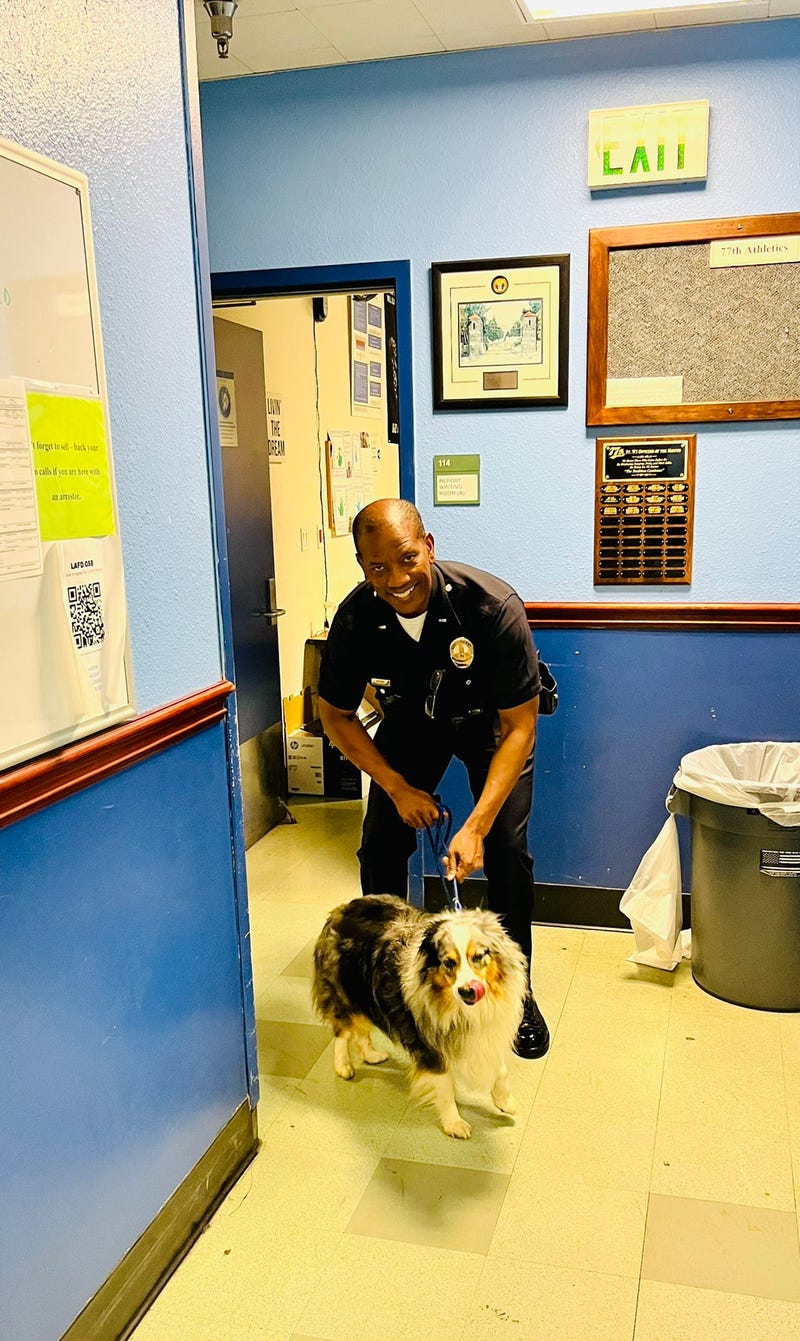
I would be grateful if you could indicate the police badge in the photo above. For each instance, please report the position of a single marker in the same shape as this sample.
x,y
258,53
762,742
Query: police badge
x,y
462,653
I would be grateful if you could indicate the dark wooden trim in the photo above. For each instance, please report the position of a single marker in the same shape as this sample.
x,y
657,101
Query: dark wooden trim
x,y
663,616
123,1299
604,240
54,776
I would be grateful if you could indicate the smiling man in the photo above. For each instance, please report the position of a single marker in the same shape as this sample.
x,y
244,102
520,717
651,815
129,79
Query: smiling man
x,y
448,653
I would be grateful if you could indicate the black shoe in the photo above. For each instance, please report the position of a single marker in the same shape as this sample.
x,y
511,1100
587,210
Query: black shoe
x,y
533,1035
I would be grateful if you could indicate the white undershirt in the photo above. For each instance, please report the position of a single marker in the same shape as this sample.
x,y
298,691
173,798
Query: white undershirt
x,y
412,624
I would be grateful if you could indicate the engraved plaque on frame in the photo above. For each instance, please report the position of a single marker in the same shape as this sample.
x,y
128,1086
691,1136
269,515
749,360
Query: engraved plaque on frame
x,y
644,511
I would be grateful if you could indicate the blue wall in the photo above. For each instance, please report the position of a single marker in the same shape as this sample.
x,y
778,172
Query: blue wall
x,y
630,705
484,154
98,86
122,1049
122,1046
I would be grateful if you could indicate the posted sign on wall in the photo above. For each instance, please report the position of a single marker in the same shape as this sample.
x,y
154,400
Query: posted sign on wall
x,y
457,480
65,670
640,146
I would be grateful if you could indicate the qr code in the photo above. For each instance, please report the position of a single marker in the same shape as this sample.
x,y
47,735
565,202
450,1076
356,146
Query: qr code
x,y
86,614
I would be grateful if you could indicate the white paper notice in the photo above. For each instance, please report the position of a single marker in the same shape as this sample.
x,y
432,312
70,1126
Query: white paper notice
x,y
755,251
637,391
20,547
226,409
85,600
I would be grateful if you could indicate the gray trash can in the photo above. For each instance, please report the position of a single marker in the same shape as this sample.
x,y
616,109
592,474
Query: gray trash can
x,y
745,904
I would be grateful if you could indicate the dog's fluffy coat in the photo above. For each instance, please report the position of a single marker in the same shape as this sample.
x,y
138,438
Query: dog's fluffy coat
x,y
380,962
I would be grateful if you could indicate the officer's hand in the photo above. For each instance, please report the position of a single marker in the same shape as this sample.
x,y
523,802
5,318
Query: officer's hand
x,y
415,808
464,855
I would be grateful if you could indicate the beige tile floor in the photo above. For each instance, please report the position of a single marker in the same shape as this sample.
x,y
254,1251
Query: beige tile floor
x,y
646,1191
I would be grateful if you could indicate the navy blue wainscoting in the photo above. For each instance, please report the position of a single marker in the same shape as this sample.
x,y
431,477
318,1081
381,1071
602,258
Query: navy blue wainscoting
x,y
631,704
122,1047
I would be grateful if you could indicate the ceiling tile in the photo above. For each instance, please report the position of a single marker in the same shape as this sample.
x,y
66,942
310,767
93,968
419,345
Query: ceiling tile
x,y
366,29
251,9
484,14
503,35
296,34
209,65
303,60
261,37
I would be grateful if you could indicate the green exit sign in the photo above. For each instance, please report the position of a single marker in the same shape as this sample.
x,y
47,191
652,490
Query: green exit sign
x,y
457,481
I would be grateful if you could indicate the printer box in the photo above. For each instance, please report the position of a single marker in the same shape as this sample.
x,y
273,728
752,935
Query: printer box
x,y
314,767
304,763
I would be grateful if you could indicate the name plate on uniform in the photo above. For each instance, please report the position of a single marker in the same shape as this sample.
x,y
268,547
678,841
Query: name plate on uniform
x,y
644,510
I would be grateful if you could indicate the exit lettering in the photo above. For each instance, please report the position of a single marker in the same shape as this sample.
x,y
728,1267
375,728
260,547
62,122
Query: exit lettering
x,y
631,146
640,159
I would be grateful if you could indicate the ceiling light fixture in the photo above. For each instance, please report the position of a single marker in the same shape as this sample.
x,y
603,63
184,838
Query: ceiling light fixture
x,y
539,11
221,14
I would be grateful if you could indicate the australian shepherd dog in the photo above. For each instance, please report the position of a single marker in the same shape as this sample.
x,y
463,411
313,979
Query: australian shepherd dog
x,y
447,987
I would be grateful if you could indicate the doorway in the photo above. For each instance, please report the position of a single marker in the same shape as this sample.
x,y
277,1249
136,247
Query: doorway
x,y
308,356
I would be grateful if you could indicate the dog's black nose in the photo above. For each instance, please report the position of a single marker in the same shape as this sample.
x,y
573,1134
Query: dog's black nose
x,y
467,994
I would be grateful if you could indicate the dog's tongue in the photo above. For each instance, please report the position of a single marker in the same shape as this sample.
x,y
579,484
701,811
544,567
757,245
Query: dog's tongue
x,y
478,988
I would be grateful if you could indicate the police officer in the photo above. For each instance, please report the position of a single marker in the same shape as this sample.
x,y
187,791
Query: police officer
x,y
448,653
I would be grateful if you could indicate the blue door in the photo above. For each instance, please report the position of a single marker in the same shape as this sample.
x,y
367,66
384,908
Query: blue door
x,y
242,409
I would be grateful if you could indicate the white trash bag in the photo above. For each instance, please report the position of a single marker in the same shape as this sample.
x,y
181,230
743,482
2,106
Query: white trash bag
x,y
758,775
652,902
755,775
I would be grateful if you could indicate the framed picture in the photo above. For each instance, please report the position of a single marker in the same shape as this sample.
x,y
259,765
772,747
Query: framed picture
x,y
694,322
500,333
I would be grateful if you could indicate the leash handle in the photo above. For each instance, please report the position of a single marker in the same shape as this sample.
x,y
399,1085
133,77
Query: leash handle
x,y
438,837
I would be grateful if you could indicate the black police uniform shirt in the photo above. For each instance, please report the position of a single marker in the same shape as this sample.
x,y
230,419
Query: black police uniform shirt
x,y
475,654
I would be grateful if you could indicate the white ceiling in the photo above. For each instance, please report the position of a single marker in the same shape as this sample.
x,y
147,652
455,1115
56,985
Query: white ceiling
x,y
271,35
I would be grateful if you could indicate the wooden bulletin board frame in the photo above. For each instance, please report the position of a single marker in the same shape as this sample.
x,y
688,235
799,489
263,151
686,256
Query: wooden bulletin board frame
x,y
639,242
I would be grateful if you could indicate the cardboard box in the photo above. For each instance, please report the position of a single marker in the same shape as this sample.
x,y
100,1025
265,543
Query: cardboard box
x,y
341,779
304,768
314,767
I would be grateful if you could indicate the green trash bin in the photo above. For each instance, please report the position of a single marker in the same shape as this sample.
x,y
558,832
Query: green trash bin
x,y
745,903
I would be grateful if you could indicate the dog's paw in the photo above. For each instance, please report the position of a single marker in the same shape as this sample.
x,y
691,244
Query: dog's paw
x,y
374,1058
502,1097
458,1128
342,1063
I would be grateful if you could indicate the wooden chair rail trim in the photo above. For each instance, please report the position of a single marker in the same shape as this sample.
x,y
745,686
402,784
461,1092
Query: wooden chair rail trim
x,y
40,782
662,616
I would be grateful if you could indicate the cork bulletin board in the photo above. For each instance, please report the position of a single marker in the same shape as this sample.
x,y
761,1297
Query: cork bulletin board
x,y
695,321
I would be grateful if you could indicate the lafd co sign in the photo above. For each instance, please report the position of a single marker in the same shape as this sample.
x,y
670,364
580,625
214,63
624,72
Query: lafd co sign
x,y
639,146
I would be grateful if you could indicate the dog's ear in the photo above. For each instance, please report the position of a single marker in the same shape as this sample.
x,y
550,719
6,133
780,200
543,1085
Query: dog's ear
x,y
435,943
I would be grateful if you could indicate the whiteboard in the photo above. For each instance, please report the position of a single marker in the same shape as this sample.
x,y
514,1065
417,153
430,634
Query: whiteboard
x,y
65,665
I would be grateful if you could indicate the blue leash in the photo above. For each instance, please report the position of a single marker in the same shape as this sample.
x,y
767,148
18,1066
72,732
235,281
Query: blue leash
x,y
438,838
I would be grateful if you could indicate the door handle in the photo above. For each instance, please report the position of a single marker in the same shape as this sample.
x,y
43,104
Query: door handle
x,y
272,612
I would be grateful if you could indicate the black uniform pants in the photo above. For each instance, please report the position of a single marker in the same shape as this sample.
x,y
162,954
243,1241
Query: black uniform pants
x,y
422,752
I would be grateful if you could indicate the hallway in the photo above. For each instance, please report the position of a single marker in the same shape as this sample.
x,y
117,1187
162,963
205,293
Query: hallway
x,y
647,1190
